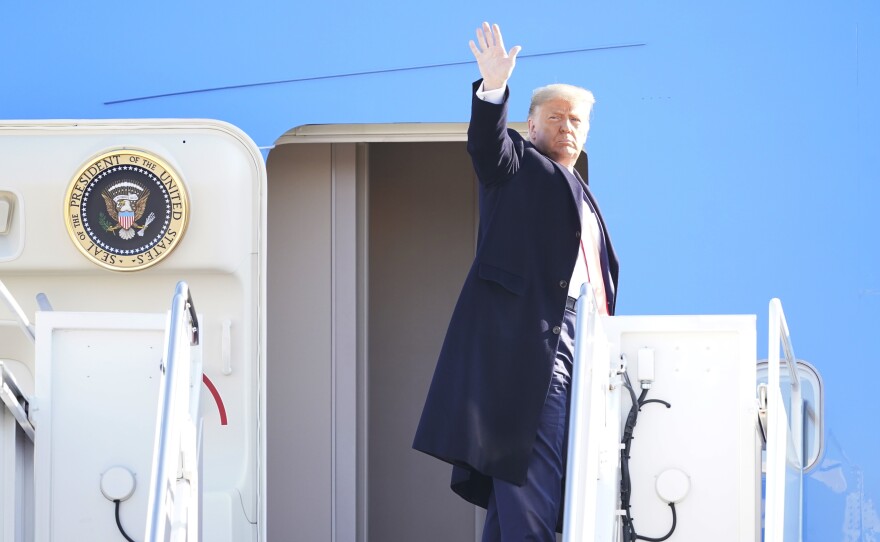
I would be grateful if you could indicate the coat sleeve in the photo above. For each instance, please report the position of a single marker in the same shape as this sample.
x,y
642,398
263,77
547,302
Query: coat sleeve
x,y
492,150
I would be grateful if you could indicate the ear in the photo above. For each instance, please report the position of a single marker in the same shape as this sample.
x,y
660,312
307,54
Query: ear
x,y
532,130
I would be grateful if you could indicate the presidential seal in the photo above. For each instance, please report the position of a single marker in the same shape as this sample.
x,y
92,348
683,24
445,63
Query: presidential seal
x,y
126,210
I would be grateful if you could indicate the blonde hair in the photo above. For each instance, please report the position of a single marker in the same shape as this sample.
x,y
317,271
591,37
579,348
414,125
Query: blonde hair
x,y
575,95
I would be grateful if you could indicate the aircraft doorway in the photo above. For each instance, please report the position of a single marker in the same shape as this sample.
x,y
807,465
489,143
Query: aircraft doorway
x,y
370,236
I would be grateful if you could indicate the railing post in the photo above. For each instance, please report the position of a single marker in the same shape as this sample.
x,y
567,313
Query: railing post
x,y
16,462
16,309
175,451
590,379
781,422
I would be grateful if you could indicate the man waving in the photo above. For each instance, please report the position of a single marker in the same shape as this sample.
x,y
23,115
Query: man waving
x,y
497,409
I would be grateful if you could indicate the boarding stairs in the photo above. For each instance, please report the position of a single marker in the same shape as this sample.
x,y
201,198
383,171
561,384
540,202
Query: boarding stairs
x,y
76,462
713,457
718,452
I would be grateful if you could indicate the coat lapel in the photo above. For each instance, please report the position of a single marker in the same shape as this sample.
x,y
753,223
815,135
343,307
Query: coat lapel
x,y
576,189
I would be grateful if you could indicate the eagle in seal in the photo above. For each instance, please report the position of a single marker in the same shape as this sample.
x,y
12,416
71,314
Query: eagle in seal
x,y
126,207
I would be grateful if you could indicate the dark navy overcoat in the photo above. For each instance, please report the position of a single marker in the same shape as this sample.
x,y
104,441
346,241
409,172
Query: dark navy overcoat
x,y
495,366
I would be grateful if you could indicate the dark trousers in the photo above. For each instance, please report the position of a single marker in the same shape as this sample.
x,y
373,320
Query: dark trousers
x,y
530,512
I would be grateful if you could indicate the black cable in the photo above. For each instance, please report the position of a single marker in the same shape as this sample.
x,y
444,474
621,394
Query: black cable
x,y
629,533
629,530
662,402
671,529
763,432
119,523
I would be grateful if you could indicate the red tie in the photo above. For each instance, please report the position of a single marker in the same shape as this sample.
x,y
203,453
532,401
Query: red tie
x,y
603,308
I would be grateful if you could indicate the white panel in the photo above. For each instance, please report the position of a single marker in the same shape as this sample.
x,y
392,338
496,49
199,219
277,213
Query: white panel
x,y
705,366
95,406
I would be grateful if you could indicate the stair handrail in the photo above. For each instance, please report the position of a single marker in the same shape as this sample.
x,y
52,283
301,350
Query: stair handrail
x,y
781,420
175,453
10,393
23,322
15,401
590,380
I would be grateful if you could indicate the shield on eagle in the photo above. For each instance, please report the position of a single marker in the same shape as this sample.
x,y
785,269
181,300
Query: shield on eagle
x,y
126,219
126,201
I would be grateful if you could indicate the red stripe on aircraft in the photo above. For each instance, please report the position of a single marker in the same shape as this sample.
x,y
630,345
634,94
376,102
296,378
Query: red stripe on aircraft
x,y
217,398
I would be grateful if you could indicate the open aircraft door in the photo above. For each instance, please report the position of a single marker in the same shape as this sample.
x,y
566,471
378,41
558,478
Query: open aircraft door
x,y
104,218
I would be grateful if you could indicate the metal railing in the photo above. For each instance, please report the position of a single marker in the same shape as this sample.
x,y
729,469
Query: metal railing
x,y
592,475
15,401
16,309
175,486
17,454
784,437
10,394
17,437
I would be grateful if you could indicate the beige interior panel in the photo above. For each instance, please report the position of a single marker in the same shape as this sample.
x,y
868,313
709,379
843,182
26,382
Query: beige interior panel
x,y
298,349
416,223
422,223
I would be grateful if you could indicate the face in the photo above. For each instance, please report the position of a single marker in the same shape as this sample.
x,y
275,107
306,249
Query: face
x,y
558,128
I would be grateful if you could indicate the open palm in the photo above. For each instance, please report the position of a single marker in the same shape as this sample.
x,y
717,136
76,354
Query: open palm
x,y
495,62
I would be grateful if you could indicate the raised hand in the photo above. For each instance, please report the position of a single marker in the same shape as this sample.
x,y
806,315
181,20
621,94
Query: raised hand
x,y
495,63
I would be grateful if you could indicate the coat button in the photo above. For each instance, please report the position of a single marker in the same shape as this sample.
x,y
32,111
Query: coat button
x,y
556,330
577,235
563,284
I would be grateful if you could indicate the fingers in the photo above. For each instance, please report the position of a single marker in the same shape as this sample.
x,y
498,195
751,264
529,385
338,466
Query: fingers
x,y
489,36
481,39
474,49
515,51
496,34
